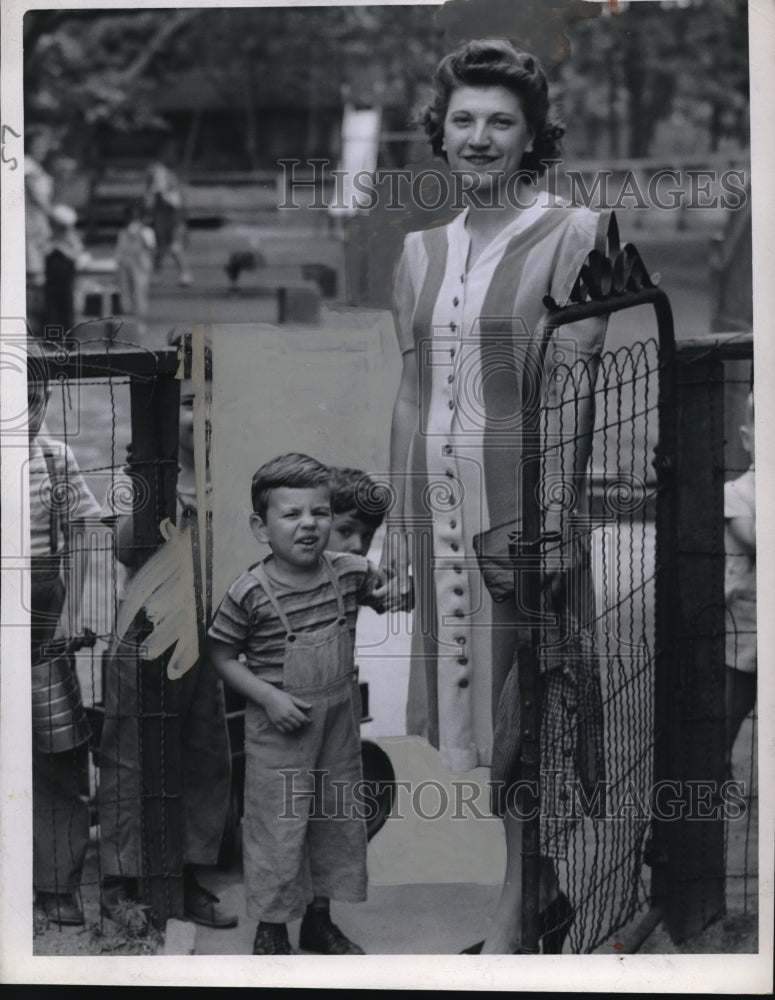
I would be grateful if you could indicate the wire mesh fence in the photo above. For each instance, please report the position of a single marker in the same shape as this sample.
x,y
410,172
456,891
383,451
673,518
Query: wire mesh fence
x,y
94,512
597,663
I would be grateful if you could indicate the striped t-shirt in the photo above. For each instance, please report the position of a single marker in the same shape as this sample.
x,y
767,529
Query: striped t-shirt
x,y
247,621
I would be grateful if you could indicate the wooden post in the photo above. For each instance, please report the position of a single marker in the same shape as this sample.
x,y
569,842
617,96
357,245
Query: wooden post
x,y
155,414
687,853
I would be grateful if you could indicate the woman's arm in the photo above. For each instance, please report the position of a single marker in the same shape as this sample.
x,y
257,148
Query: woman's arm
x,y
286,712
395,556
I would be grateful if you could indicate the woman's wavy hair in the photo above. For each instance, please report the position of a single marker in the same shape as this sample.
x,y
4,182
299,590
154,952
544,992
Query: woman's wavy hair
x,y
492,62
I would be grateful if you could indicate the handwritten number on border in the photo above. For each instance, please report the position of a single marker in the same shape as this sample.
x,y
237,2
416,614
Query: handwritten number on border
x,y
12,161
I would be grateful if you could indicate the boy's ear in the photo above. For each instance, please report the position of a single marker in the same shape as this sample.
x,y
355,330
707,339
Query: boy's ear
x,y
258,528
745,437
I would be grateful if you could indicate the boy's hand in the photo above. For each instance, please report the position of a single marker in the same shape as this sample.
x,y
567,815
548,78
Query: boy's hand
x,y
286,712
395,566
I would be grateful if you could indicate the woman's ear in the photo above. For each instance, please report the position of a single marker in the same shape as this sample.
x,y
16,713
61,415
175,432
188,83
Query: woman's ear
x,y
258,528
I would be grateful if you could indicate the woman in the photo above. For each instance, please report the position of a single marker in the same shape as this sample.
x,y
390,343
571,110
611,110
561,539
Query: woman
x,y
468,298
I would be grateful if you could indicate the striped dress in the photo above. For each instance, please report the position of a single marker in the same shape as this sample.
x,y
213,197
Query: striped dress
x,y
468,327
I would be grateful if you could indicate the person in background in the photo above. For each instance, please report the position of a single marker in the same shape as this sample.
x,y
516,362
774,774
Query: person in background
x,y
135,249
60,504
358,507
65,253
740,589
205,752
293,617
38,202
164,204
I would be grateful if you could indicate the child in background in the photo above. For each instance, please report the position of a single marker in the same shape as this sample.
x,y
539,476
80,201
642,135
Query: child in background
x,y
60,503
740,589
164,203
293,616
65,252
358,507
135,250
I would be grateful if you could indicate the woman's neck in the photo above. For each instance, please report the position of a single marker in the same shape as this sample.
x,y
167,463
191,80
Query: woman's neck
x,y
483,223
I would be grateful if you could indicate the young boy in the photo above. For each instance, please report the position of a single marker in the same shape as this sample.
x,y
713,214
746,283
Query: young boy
x,y
358,508
293,616
60,503
740,589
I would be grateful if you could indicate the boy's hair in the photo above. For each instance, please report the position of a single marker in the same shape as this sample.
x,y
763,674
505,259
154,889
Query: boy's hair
x,y
293,470
354,490
182,335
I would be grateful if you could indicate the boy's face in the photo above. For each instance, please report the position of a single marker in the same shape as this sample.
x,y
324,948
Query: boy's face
x,y
296,527
349,533
37,401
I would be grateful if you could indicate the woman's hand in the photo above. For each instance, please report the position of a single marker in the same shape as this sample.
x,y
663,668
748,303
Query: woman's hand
x,y
564,579
286,712
396,567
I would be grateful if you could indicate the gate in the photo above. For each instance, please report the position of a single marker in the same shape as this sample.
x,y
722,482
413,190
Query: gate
x,y
654,534
138,390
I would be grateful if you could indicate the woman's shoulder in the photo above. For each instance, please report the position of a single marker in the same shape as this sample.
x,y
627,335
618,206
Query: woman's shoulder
x,y
574,219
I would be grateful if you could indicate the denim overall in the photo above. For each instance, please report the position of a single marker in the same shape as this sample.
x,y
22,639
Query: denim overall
x,y
303,832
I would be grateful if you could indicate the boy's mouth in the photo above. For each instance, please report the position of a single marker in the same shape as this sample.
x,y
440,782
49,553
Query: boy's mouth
x,y
308,541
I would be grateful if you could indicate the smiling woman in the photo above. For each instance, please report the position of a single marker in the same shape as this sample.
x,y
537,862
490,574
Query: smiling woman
x,y
469,301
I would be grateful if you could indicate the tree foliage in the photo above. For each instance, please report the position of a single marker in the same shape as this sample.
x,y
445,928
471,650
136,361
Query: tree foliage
x,y
629,71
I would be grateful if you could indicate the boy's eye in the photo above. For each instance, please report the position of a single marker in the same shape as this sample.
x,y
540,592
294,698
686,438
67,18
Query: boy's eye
x,y
345,531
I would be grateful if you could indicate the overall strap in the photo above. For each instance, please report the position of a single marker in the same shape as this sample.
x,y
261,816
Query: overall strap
x,y
260,573
335,584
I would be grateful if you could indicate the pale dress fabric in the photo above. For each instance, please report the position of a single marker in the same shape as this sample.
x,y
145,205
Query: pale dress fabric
x,y
469,327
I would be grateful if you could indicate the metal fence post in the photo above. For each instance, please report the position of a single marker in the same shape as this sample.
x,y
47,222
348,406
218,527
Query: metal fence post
x,y
155,415
687,853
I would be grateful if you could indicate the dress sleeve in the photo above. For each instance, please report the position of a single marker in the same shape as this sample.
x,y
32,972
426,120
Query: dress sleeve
x,y
404,296
588,335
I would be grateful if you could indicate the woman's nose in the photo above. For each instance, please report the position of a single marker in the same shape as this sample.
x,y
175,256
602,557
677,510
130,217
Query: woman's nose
x,y
480,134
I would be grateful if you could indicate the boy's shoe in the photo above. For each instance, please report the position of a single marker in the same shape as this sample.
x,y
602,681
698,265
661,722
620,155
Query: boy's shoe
x,y
320,934
272,939
203,906
60,908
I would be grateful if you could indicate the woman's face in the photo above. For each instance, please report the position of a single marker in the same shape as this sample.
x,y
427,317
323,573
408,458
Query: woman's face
x,y
485,133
